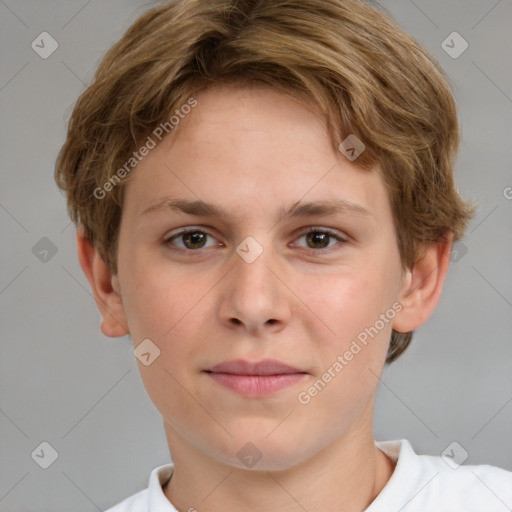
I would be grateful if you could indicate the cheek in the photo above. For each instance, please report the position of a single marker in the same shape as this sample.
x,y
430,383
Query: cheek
x,y
345,301
173,310
349,324
156,296
162,306
352,356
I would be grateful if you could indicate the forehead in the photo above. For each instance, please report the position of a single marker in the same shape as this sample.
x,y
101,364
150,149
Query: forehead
x,y
252,148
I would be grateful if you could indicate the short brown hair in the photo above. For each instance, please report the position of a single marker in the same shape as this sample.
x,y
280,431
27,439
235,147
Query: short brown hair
x,y
365,74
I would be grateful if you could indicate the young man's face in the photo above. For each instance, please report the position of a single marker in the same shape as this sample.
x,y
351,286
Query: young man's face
x,y
214,298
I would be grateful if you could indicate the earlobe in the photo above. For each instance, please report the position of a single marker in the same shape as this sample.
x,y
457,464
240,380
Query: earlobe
x,y
104,285
422,286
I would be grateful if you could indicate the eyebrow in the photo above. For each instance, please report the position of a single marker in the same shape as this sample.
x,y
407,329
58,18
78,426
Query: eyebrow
x,y
312,209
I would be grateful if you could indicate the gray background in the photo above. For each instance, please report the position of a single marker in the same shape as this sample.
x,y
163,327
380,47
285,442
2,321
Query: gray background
x,y
63,382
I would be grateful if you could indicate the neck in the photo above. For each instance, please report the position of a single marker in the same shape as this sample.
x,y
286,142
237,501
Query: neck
x,y
348,475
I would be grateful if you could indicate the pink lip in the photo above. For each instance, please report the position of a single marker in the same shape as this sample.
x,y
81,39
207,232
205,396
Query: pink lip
x,y
263,367
255,379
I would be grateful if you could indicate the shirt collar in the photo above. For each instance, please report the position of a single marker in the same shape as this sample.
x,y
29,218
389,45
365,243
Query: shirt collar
x,y
157,501
399,451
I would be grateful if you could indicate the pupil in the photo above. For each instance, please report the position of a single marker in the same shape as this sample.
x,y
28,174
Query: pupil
x,y
321,238
195,239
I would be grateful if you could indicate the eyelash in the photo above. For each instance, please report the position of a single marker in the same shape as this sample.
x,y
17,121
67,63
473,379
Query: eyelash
x,y
326,231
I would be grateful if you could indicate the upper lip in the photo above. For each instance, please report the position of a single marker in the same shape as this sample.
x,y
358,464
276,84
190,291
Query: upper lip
x,y
263,367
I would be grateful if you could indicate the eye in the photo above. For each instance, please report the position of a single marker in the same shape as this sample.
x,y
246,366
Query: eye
x,y
317,238
192,239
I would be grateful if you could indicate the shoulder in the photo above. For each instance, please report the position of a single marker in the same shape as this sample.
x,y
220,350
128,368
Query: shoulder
x,y
470,486
426,482
136,503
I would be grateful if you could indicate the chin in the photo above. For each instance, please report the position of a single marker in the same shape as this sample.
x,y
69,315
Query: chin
x,y
257,453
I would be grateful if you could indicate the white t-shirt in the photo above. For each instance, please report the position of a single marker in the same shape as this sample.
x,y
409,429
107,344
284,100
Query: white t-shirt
x,y
420,483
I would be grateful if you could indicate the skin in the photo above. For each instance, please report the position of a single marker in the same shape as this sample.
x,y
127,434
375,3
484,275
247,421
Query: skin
x,y
253,151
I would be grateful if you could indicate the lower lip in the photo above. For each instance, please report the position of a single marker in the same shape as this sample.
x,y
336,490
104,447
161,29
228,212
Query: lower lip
x,y
256,385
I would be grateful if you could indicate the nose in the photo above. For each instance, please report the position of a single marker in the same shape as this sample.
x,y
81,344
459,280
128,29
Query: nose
x,y
254,296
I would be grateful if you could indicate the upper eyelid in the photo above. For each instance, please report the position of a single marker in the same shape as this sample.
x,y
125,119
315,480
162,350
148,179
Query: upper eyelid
x,y
304,231
187,230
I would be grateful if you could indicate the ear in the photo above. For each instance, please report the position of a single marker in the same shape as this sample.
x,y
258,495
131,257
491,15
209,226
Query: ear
x,y
422,286
104,285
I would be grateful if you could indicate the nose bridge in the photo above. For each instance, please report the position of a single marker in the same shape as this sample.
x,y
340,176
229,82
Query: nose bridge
x,y
251,265
254,295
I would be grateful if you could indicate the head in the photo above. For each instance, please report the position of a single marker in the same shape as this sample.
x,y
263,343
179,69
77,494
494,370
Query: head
x,y
250,107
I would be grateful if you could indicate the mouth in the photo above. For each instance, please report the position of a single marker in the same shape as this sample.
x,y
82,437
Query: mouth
x,y
258,368
255,379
